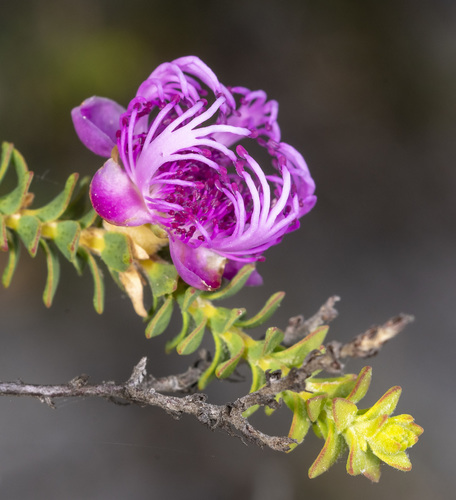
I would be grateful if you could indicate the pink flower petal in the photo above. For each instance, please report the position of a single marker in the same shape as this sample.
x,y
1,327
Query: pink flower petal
x,y
199,267
116,199
96,122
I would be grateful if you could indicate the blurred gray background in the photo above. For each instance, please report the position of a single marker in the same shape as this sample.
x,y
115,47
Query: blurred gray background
x,y
367,94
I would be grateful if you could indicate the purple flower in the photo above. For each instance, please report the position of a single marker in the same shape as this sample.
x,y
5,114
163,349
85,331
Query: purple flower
x,y
174,167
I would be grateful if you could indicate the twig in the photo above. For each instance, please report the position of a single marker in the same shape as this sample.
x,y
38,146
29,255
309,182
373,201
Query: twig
x,y
142,389
369,343
298,328
185,382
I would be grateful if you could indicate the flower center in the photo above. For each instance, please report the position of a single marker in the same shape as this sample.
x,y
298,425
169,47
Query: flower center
x,y
199,208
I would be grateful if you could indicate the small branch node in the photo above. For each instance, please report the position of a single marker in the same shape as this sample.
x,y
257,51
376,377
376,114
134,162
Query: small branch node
x,y
79,381
47,401
139,373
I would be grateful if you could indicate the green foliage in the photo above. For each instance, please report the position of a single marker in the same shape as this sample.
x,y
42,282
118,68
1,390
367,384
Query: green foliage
x,y
54,228
328,405
372,436
67,226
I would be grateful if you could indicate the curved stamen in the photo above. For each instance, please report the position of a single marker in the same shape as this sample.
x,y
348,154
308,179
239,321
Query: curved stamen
x,y
265,188
157,122
131,127
180,169
281,202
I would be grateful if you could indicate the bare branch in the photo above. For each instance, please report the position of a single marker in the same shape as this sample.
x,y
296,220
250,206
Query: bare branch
x,y
137,390
298,328
185,382
369,343
144,390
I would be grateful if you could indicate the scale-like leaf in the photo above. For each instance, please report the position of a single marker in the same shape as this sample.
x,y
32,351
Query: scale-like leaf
x,y
98,292
13,201
334,446
186,300
343,412
333,387
209,373
55,208
79,204
117,252
223,319
162,276
295,355
191,343
314,406
29,231
361,386
233,286
53,273
13,257
236,347
385,405
88,219
7,151
300,424
266,312
67,237
258,380
171,344
361,461
3,235
161,318
273,338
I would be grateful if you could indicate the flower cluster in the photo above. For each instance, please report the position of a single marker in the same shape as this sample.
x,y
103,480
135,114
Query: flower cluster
x,y
171,163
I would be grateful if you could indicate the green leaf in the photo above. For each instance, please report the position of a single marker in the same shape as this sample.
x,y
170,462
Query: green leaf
x,y
7,150
53,273
385,405
162,276
161,318
223,319
334,446
55,208
115,275
79,205
13,201
171,344
29,231
258,377
315,405
233,286
258,380
88,219
185,300
117,253
294,356
332,387
300,424
344,412
3,235
361,386
236,347
266,312
360,461
273,338
13,257
79,263
67,237
398,460
97,275
191,343
209,373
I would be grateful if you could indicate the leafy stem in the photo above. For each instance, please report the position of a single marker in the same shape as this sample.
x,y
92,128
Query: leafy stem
x,y
284,365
